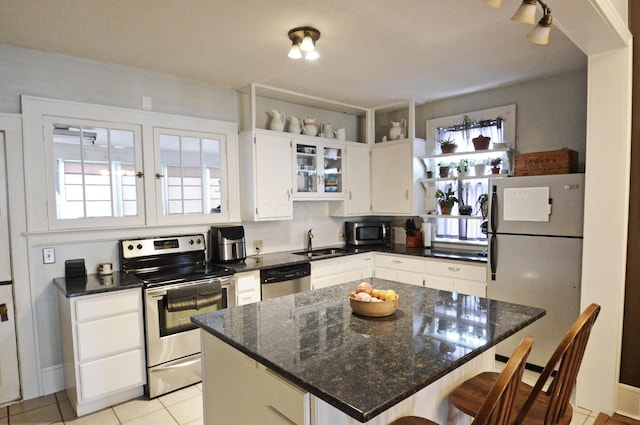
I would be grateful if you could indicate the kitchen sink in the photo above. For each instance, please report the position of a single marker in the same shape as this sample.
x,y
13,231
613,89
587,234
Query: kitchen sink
x,y
325,252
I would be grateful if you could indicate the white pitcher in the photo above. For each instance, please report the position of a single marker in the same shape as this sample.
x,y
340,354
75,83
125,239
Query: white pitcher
x,y
277,120
340,134
327,130
294,125
397,130
310,128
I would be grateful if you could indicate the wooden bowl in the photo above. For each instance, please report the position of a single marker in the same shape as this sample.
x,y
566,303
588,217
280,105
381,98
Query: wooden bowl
x,y
373,309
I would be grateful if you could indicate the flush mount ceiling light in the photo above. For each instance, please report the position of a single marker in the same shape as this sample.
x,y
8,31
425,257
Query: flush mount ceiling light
x,y
303,42
526,14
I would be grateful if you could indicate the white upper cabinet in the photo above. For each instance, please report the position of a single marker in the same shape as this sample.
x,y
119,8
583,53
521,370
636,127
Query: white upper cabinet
x,y
265,181
108,167
357,172
318,170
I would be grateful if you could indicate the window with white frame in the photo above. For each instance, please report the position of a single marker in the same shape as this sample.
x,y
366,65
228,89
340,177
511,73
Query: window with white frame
x,y
191,166
95,170
470,186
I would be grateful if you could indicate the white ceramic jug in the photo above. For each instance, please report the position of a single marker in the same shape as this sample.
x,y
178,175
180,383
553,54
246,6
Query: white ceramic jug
x,y
310,128
340,134
294,125
277,120
397,130
326,130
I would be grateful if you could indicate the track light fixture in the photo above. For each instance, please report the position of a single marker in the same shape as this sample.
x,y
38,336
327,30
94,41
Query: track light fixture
x,y
526,13
303,42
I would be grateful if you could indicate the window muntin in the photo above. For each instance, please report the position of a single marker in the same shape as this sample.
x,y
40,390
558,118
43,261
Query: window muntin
x,y
192,173
95,172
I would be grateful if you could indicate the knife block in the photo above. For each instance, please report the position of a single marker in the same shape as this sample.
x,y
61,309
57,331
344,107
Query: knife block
x,y
414,241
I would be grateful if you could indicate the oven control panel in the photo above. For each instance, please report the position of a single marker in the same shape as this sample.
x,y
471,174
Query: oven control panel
x,y
134,248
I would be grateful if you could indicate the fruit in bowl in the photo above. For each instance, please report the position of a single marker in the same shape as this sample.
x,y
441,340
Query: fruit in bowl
x,y
370,302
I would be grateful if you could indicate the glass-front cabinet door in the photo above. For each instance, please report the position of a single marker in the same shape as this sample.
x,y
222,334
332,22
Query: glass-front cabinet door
x,y
318,170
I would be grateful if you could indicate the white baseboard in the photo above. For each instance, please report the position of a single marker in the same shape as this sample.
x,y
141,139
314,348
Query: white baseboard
x,y
52,379
628,401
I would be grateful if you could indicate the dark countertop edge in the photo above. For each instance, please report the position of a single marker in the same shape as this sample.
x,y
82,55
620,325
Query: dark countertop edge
x,y
346,408
90,284
284,258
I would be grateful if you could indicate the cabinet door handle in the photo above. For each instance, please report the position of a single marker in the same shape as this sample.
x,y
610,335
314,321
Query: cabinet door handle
x,y
454,269
139,174
397,262
159,176
288,195
349,195
406,194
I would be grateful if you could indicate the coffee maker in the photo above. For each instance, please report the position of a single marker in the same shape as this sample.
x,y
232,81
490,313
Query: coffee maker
x,y
226,244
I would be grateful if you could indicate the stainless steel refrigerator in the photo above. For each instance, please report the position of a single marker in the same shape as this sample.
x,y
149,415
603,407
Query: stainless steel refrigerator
x,y
535,254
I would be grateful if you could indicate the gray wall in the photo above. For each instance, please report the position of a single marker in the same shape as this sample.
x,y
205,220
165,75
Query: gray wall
x,y
551,113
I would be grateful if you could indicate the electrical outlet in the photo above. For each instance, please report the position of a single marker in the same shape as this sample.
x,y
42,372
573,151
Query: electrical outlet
x,y
257,246
48,255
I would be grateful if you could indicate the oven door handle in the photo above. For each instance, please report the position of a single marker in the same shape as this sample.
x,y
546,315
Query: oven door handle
x,y
179,363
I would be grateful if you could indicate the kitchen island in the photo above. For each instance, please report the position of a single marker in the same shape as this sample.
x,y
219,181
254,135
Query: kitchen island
x,y
306,358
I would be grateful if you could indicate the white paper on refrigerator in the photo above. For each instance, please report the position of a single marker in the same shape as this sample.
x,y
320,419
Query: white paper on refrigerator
x,y
526,204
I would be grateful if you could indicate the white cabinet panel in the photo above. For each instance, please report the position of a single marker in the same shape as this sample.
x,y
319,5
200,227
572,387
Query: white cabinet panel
x,y
248,287
108,336
438,282
95,307
400,262
457,270
285,400
470,287
115,373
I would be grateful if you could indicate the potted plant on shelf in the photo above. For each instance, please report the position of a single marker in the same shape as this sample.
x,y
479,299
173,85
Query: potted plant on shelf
x,y
443,170
495,165
463,167
481,142
482,205
446,200
480,168
447,145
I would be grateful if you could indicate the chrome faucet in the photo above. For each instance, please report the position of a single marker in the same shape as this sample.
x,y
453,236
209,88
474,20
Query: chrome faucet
x,y
309,237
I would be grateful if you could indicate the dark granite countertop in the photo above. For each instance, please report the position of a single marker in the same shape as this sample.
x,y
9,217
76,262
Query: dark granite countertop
x,y
314,340
94,284
265,261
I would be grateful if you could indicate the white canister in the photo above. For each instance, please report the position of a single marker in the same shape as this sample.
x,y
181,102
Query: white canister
x,y
426,235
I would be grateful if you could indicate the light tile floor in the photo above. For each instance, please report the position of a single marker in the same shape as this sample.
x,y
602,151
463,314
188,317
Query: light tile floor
x,y
183,407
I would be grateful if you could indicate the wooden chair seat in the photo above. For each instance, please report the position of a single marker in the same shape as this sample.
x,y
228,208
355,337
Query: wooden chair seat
x,y
468,399
497,405
535,406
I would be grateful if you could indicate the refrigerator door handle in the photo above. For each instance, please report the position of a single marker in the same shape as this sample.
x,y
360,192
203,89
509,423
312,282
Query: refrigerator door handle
x,y
494,209
493,255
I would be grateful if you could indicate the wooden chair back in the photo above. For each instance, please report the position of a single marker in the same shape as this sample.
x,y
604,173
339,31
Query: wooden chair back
x,y
498,407
568,356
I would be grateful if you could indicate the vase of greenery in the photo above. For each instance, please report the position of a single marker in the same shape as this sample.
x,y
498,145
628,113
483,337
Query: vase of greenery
x,y
463,167
446,200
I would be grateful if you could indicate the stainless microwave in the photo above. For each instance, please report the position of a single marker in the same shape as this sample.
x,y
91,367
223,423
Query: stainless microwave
x,y
367,232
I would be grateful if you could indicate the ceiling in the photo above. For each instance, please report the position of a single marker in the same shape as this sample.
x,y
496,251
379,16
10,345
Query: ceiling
x,y
372,52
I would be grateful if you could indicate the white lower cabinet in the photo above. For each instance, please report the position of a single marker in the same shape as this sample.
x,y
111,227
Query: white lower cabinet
x,y
446,275
333,271
103,348
457,276
401,268
248,287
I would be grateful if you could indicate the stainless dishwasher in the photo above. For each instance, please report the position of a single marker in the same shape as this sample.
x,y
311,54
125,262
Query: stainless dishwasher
x,y
285,280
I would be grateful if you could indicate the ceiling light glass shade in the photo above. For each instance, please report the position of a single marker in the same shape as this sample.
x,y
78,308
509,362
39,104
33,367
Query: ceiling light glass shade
x,y
312,55
526,13
540,34
307,44
294,52
494,3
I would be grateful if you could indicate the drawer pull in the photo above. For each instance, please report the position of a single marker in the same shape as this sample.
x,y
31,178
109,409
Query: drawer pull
x,y
397,262
454,269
